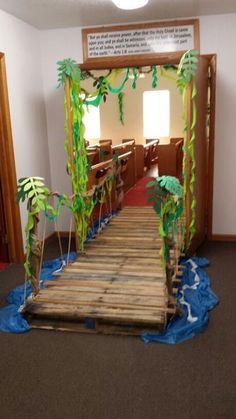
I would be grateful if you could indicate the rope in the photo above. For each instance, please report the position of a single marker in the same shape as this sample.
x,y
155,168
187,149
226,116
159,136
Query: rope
x,y
25,285
42,250
59,239
103,192
69,241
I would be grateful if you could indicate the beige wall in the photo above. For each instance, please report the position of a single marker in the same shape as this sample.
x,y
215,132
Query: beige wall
x,y
133,110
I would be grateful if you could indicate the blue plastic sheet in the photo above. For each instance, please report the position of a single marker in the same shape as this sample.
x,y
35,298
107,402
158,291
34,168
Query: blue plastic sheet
x,y
196,298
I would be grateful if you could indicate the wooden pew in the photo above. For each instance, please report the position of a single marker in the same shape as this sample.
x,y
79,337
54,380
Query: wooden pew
x,y
170,158
128,170
145,156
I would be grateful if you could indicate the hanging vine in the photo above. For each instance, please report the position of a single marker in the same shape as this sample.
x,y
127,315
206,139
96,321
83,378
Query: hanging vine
x,y
78,166
121,107
186,74
154,76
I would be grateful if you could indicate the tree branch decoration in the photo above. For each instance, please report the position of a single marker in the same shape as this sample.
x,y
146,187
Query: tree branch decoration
x,y
186,74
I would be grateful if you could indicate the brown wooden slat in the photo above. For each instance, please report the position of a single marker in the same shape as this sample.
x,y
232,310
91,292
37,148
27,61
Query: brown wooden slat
x,y
124,315
63,286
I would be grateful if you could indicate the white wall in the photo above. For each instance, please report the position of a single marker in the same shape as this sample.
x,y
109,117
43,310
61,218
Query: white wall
x,y
20,43
111,126
217,35
58,45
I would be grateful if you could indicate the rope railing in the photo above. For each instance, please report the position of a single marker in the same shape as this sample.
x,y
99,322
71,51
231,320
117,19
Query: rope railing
x,y
105,186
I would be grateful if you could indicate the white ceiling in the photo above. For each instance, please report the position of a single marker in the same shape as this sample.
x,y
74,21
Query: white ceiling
x,y
50,14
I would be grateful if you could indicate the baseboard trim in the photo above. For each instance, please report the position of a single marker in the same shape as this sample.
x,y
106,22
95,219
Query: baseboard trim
x,y
50,237
64,234
224,237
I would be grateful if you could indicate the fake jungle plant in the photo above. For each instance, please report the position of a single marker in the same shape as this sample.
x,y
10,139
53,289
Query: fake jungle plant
x,y
34,191
166,196
186,74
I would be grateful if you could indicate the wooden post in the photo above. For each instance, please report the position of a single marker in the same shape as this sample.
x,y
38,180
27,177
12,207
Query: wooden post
x,y
70,126
188,197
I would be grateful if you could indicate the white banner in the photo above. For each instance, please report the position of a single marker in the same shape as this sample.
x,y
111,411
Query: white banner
x,y
140,41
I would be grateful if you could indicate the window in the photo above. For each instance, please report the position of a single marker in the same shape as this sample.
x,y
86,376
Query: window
x,y
91,121
156,114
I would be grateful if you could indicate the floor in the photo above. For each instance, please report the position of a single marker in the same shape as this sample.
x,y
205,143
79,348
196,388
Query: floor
x,y
63,375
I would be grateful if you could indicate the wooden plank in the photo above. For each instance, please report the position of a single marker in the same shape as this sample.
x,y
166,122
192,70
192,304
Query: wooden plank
x,y
103,300
111,276
76,312
98,327
108,289
138,235
152,284
116,267
120,259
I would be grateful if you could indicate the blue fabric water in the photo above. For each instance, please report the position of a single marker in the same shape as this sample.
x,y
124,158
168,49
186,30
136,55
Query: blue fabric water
x,y
196,299
11,319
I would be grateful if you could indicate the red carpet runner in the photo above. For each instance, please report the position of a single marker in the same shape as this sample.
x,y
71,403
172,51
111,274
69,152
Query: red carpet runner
x,y
3,265
138,196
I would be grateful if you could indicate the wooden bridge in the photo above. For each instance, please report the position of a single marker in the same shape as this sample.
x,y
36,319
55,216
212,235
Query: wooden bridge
x,y
116,286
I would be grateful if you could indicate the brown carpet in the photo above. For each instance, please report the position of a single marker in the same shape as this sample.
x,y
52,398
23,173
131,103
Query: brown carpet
x,y
71,376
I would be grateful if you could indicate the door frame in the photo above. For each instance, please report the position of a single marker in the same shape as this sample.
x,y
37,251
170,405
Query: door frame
x,y
212,58
8,173
174,58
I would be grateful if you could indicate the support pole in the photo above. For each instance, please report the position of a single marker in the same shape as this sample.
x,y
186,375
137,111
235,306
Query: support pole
x,y
188,197
70,126
71,145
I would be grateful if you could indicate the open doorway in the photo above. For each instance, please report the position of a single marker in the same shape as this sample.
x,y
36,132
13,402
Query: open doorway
x,y
204,145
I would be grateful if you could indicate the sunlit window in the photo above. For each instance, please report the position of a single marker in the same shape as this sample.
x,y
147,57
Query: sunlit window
x,y
156,114
91,121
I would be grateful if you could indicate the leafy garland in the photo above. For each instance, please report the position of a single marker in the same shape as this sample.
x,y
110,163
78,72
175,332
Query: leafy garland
x,y
186,73
166,195
103,85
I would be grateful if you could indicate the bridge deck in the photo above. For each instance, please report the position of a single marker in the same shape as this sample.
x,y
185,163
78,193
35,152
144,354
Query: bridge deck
x,y
116,286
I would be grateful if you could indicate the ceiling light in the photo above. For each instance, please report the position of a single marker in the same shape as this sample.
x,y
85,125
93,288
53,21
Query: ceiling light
x,y
130,4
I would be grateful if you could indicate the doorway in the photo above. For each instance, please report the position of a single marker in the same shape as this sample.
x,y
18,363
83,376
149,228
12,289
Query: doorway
x,y
11,244
204,147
